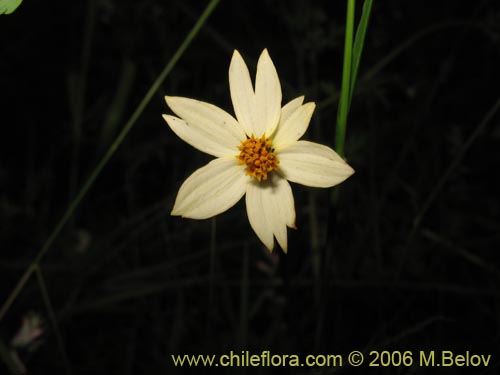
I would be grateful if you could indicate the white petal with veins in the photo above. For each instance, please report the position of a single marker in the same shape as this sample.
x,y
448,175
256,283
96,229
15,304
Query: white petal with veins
x,y
196,138
270,209
212,123
254,199
242,94
267,96
289,108
211,190
294,126
312,164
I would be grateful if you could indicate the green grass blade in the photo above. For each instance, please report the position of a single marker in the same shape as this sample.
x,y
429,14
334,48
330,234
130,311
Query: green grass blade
x,y
359,41
352,58
346,80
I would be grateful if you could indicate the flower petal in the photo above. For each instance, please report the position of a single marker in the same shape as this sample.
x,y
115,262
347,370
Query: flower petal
x,y
204,126
267,96
213,121
270,209
211,190
254,199
195,138
294,126
312,164
280,207
242,94
289,108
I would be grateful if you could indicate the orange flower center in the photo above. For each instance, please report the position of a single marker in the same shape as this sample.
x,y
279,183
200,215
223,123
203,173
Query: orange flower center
x,y
259,157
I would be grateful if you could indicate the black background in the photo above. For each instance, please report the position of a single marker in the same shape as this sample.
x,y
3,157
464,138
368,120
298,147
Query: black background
x,y
409,260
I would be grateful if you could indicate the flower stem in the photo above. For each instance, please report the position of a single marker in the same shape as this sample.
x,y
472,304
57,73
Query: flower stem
x,y
109,153
346,80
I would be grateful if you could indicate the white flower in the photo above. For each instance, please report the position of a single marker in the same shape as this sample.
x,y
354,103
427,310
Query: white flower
x,y
255,155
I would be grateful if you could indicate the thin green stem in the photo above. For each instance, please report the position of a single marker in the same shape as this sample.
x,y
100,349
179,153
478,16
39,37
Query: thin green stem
x,y
396,52
52,317
17,289
109,153
346,80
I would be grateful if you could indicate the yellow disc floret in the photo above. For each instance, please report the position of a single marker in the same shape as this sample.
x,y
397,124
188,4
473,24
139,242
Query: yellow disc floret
x,y
259,157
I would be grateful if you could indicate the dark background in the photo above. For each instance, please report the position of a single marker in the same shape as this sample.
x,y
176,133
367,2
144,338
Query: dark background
x,y
409,260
